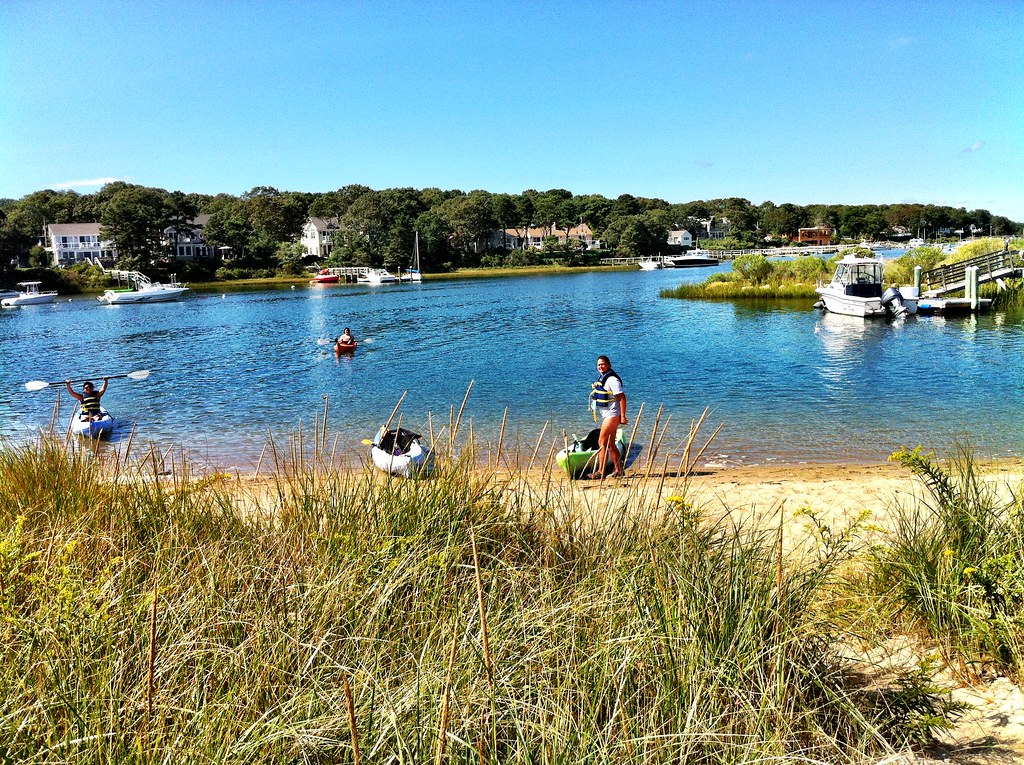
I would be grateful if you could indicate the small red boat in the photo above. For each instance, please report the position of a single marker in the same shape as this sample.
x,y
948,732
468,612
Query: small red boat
x,y
326,277
340,348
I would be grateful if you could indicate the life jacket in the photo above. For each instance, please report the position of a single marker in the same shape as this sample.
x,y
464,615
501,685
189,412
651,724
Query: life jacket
x,y
600,396
90,403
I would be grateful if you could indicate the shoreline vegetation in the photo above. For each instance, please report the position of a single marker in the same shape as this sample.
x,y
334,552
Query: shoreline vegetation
x,y
503,613
756,278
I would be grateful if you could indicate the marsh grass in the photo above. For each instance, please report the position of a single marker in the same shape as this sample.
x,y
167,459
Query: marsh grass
x,y
150,615
954,567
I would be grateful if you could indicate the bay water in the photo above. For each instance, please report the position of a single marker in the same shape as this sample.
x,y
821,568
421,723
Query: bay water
x,y
787,383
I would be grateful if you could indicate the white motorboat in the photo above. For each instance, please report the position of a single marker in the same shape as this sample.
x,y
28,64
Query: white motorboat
x,y
398,451
376,276
81,425
857,289
142,290
692,261
650,265
29,294
915,243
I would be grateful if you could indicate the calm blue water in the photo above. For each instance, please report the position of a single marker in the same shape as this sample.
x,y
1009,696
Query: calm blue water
x,y
788,385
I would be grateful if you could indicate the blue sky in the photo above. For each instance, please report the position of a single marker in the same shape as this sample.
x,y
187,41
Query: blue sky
x,y
841,102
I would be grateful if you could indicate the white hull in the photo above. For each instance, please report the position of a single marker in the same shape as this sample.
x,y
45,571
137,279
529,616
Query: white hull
x,y
40,299
416,460
692,261
30,295
92,428
156,293
848,305
650,265
377,276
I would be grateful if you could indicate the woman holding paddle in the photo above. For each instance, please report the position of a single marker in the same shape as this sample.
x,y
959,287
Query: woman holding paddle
x,y
610,400
89,398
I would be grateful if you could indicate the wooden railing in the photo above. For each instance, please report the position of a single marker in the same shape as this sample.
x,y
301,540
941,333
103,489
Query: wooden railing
x,y
991,266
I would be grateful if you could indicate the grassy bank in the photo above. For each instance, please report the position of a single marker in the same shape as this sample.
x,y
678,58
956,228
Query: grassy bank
x,y
472,617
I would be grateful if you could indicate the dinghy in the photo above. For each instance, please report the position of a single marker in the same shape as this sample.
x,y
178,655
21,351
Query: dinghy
x,y
398,451
580,458
83,426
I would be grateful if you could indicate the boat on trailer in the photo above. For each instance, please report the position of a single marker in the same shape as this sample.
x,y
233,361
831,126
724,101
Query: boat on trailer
x,y
400,452
29,294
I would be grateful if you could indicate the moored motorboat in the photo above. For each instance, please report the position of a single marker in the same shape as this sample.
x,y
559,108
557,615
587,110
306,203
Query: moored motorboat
x,y
82,425
857,289
692,261
143,291
580,457
376,276
650,265
400,452
326,277
30,294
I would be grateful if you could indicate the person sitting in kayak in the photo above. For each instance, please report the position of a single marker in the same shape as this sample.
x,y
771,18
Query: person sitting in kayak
x,y
89,399
608,398
346,342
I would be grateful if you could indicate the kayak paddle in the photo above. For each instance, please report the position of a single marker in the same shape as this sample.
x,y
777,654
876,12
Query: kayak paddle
x,y
141,374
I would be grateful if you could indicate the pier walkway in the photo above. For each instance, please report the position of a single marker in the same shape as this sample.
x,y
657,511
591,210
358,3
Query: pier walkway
x,y
1001,264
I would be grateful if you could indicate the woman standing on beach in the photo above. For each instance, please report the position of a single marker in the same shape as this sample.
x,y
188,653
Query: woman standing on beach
x,y
609,399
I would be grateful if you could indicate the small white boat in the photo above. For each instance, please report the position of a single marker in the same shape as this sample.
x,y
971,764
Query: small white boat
x,y
650,265
857,289
29,295
143,291
398,451
915,243
376,276
692,261
83,426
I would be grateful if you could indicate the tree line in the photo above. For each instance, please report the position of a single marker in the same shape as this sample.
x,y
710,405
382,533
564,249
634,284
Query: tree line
x,y
376,228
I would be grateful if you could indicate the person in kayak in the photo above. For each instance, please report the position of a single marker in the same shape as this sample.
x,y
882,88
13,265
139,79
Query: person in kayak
x,y
345,342
608,398
89,399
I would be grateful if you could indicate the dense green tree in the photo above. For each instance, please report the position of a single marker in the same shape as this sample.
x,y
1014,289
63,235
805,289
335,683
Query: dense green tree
x,y
179,212
134,220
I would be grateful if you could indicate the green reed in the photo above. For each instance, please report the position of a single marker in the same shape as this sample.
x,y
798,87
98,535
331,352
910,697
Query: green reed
x,y
476,616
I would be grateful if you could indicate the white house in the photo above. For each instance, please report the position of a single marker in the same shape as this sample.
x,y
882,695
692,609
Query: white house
x,y
317,236
514,239
190,244
680,238
71,243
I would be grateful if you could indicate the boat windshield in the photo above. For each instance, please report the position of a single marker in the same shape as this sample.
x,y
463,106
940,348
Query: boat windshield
x,y
859,273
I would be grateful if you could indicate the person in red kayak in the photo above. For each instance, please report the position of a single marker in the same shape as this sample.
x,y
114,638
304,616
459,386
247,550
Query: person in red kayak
x,y
346,342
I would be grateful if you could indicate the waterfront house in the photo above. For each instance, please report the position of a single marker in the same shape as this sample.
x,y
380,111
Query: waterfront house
x,y
70,243
820,236
317,236
680,237
533,237
188,243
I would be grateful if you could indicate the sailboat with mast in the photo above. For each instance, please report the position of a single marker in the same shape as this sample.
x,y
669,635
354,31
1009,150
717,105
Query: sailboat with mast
x,y
414,274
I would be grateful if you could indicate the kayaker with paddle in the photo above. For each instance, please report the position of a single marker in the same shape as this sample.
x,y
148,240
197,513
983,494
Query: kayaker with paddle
x,y
89,398
608,398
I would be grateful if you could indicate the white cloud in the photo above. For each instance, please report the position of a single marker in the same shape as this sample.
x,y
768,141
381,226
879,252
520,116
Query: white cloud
x,y
976,146
79,184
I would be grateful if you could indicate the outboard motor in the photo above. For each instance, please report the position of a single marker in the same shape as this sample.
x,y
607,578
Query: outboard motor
x,y
892,301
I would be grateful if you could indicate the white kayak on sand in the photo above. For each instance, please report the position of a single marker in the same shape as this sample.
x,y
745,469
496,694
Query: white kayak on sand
x,y
399,452
83,426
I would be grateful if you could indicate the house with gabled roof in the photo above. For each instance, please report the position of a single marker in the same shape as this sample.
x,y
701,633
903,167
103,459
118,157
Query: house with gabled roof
x,y
70,243
533,237
317,236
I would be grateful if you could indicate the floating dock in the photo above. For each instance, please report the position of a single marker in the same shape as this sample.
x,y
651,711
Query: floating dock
x,y
931,305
